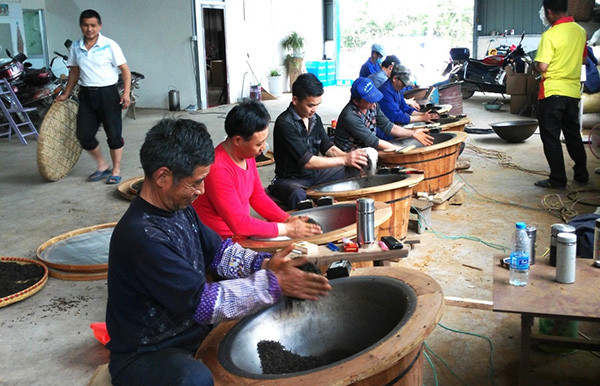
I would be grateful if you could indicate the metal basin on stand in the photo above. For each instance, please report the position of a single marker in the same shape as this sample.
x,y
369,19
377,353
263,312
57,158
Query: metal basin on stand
x,y
366,332
394,189
337,221
437,161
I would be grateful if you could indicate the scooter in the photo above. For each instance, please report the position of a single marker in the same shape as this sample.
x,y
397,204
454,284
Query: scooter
x,y
488,74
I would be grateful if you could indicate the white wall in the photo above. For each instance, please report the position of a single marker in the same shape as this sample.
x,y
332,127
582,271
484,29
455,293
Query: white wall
x,y
155,38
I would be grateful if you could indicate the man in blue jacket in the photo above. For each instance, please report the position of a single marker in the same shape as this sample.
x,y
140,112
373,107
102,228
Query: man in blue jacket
x,y
373,64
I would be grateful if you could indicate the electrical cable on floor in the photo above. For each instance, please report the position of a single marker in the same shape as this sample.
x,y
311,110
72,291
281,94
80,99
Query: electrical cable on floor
x,y
497,201
503,158
444,236
479,336
432,368
555,205
444,363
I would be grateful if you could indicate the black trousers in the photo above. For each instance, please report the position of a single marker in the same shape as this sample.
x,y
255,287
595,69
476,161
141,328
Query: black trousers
x,y
560,113
99,105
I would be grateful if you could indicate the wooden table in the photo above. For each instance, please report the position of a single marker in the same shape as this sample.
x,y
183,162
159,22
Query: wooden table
x,y
545,297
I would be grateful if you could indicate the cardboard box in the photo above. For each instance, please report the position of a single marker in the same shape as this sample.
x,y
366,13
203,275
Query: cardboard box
x,y
517,102
516,84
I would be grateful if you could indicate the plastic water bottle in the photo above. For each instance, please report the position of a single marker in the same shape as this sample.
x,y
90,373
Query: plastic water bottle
x,y
519,257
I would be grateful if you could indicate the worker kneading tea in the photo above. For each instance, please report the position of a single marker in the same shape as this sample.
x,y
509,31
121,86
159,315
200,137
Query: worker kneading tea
x,y
160,303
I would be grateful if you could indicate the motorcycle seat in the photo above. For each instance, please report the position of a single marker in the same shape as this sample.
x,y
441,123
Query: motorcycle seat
x,y
478,64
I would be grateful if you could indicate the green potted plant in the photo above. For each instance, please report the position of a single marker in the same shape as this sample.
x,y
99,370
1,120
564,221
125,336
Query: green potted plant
x,y
275,85
293,45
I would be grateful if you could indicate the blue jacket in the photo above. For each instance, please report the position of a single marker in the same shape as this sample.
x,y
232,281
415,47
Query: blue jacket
x,y
369,68
393,104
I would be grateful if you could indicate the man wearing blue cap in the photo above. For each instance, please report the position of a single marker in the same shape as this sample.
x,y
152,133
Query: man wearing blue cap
x,y
361,117
373,64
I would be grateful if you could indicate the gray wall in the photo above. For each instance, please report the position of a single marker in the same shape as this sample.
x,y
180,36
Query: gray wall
x,y
520,15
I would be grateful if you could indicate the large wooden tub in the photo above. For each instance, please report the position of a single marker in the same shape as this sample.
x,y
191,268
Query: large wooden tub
x,y
337,221
394,189
437,161
371,328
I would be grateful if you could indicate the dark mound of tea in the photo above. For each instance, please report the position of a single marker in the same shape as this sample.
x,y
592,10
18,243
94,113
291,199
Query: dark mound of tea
x,y
16,277
275,359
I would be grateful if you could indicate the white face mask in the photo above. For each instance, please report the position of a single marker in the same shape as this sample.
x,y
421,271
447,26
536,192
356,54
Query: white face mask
x,y
543,17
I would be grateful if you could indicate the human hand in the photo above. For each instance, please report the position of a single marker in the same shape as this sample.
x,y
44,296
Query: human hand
x,y
422,136
295,282
413,103
61,97
297,227
356,158
429,116
125,101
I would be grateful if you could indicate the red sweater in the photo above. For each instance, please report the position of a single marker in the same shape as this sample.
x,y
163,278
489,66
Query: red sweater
x,y
229,193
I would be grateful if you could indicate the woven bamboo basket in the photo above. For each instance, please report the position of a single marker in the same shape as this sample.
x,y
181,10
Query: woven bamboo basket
x,y
78,268
58,148
581,10
27,292
269,154
126,188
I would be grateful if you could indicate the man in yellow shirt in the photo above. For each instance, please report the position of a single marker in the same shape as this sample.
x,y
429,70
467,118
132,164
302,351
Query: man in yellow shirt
x,y
559,59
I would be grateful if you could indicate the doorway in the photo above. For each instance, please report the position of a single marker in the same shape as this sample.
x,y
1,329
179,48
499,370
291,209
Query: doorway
x,y
212,58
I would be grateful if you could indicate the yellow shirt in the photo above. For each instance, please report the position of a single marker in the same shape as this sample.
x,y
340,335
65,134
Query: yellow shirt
x,y
562,47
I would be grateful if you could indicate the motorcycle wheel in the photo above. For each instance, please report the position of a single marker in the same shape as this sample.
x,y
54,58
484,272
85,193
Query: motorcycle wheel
x,y
467,93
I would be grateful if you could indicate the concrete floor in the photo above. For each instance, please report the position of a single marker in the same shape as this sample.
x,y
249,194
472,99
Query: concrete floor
x,y
45,342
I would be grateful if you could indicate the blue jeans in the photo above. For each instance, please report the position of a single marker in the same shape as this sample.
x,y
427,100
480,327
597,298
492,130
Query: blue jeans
x,y
168,366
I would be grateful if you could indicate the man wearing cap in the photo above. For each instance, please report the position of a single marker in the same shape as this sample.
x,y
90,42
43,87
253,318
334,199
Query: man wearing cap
x,y
393,104
372,65
361,117
384,72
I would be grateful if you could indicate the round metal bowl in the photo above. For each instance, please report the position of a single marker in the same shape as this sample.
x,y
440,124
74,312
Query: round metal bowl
x,y
489,106
330,218
360,313
515,131
440,137
357,183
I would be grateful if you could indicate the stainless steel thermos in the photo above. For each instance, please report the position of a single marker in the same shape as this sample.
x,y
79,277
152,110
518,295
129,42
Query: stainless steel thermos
x,y
556,229
566,253
365,221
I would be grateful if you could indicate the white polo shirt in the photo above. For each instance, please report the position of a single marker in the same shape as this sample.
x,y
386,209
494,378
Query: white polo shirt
x,y
99,67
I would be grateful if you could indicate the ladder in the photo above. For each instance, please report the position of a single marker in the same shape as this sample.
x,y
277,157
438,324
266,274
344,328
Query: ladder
x,y
15,114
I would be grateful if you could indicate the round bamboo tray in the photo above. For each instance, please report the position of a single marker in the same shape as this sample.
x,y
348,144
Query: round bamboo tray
x,y
437,161
383,212
400,353
398,194
78,268
269,154
58,148
77,276
125,189
13,298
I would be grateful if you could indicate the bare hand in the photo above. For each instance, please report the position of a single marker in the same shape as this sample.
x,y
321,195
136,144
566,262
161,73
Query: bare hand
x,y
356,159
413,103
429,116
295,282
422,136
125,101
61,97
298,227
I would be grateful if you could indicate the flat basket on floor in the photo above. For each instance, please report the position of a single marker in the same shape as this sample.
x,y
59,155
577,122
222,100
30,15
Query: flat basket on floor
x,y
29,291
58,149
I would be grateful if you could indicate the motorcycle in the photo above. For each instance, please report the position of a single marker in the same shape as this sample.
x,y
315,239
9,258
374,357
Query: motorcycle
x,y
34,88
488,74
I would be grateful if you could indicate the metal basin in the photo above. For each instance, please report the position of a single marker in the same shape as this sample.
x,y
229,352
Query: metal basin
x,y
359,313
515,131
330,218
437,138
358,183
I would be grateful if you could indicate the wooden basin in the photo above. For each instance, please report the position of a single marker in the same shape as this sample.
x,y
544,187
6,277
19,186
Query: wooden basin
x,y
437,161
337,221
394,189
394,348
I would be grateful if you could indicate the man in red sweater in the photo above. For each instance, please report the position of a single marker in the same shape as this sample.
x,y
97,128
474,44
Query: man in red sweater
x,y
233,184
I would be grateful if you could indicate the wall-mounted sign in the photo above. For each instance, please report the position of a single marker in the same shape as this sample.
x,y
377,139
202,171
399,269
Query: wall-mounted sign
x,y
4,10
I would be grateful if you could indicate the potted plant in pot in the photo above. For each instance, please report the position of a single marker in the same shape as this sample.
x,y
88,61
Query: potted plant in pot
x,y
275,85
293,44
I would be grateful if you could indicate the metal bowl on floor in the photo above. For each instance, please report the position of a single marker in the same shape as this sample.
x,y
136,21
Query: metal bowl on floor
x,y
515,131
359,314
492,106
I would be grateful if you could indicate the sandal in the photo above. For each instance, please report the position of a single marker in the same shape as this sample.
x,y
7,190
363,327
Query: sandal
x,y
99,175
113,180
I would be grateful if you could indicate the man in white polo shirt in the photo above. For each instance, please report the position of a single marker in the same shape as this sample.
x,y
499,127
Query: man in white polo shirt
x,y
95,61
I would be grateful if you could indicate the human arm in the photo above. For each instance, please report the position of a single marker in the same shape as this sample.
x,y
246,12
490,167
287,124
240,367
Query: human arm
x,y
72,80
413,103
276,275
426,116
126,75
541,67
336,157
418,134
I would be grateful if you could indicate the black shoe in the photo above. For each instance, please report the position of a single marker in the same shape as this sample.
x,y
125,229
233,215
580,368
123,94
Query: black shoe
x,y
549,184
582,182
